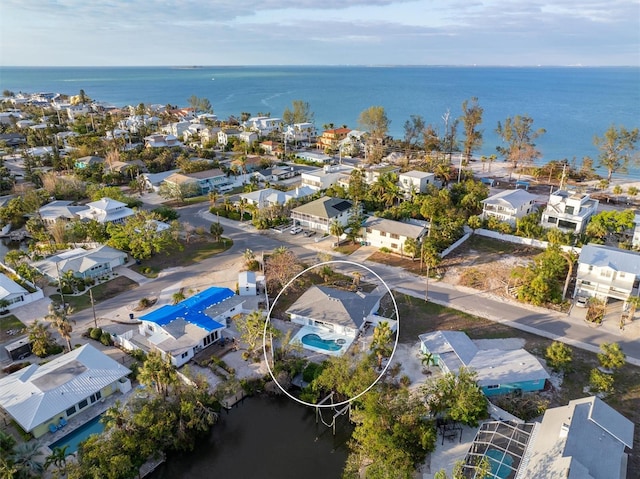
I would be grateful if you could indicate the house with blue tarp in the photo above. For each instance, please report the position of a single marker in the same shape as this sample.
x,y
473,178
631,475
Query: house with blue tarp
x,y
500,369
180,331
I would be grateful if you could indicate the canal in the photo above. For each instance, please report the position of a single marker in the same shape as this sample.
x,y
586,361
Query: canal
x,y
265,438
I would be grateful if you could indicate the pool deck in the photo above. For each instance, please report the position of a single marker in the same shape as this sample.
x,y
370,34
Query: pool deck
x,y
325,335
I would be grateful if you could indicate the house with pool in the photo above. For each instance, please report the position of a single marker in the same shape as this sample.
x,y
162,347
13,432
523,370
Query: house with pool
x,y
180,331
332,319
40,398
500,369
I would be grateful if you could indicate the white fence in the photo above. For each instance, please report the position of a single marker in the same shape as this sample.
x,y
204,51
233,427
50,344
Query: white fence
x,y
524,241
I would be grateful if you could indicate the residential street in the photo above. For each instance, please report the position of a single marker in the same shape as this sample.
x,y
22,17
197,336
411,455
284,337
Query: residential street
x,y
222,270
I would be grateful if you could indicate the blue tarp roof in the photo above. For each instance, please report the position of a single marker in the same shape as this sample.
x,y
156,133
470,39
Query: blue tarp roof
x,y
192,309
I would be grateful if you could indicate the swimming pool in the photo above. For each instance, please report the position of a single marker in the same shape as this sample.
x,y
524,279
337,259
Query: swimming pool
x,y
500,463
74,438
317,342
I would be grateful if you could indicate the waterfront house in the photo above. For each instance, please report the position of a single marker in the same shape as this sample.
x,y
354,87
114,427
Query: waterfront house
x,y
607,273
330,139
499,370
182,330
319,214
415,182
84,263
384,233
508,206
40,396
585,439
106,210
60,210
569,211
331,310
323,178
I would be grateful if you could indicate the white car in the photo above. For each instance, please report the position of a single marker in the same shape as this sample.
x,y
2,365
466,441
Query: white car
x,y
295,230
582,301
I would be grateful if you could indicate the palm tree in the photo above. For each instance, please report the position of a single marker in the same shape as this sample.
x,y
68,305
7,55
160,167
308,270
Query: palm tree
x,y
214,196
427,360
336,229
40,338
178,296
158,372
68,280
59,317
357,275
58,458
25,457
216,231
382,344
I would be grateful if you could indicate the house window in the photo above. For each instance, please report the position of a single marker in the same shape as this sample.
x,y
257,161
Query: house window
x,y
83,404
493,386
383,233
71,411
552,220
605,273
394,236
394,245
184,355
620,274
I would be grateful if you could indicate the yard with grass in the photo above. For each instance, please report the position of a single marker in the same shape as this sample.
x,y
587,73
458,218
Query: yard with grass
x,y
101,292
10,327
199,248
417,317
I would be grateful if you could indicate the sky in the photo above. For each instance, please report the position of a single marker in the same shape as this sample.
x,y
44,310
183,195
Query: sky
x,y
319,32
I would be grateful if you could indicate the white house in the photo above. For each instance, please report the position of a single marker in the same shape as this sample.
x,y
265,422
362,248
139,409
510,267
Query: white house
x,y
277,173
323,178
226,134
635,240
84,263
177,128
15,294
585,439
415,181
313,157
508,205
152,181
319,214
182,330
334,310
270,197
569,211
40,398
607,273
159,140
300,133
248,137
106,210
60,210
204,181
263,125
384,233
247,283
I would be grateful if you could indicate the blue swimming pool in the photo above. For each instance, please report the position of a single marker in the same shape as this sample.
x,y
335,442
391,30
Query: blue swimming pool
x,y
74,438
317,342
500,463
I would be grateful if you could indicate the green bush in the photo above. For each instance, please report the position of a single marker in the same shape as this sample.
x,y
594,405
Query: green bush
x,y
54,349
105,339
559,356
600,382
311,372
95,333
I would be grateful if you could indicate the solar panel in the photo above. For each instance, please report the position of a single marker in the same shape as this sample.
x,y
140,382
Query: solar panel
x,y
342,206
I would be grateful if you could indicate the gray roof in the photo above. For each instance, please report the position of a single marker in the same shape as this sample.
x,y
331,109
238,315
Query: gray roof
x,y
325,207
78,259
60,209
511,198
9,288
398,227
36,393
335,306
614,258
585,438
455,348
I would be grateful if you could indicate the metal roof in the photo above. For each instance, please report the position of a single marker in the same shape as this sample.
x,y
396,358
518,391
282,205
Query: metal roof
x,y
614,258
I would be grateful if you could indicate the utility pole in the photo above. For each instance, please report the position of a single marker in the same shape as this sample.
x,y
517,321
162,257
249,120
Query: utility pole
x,y
93,307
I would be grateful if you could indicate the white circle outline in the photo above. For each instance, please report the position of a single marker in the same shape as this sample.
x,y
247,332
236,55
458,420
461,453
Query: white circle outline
x,y
266,324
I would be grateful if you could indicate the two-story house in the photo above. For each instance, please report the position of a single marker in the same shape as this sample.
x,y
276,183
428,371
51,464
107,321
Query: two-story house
x,y
508,205
263,125
319,214
607,273
569,211
323,178
226,134
106,210
384,233
330,139
300,133
203,181
415,181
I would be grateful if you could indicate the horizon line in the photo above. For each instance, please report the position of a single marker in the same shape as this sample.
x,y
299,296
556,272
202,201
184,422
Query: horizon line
x,y
336,65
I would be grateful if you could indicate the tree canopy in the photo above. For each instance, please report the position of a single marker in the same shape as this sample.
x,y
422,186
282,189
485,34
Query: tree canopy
x,y
519,136
617,148
299,113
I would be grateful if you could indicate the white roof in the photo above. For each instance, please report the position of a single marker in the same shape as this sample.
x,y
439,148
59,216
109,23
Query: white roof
x,y
512,198
401,228
614,258
36,394
9,287
106,210
416,174
78,259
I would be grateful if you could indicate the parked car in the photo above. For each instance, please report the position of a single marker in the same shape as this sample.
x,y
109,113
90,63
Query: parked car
x,y
295,230
582,301
309,233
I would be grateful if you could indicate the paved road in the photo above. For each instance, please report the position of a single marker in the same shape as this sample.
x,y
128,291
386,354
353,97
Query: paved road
x,y
534,320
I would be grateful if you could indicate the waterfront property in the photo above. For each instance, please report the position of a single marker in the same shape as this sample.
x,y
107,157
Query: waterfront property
x,y
41,398
508,206
333,318
60,210
499,371
569,211
319,214
180,331
607,273
75,437
106,210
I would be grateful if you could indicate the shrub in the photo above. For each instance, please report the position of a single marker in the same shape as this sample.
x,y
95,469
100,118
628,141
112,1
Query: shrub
x,y
311,372
12,368
144,303
559,356
54,349
105,339
384,249
95,333
87,333
611,356
600,382
405,380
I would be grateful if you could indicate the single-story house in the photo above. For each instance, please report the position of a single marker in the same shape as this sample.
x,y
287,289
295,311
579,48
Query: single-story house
x,y
384,233
84,263
182,330
60,209
508,205
500,371
38,397
310,156
16,294
87,161
335,310
277,173
152,181
585,439
159,140
607,273
319,214
106,210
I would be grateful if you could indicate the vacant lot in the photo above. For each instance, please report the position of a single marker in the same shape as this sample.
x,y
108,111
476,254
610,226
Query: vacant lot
x,y
417,317
101,292
10,327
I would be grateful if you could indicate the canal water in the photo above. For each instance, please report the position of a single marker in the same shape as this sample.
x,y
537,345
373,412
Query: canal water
x,y
265,438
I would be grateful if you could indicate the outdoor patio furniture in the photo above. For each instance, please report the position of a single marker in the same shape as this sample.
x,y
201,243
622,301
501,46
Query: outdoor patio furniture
x,y
62,423
52,428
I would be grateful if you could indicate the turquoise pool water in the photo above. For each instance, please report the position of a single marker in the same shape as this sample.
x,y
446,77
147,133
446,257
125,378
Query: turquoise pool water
x,y
500,463
74,438
317,342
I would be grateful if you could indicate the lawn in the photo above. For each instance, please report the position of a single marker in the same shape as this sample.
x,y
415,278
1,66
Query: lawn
x,y
199,248
417,317
9,323
101,292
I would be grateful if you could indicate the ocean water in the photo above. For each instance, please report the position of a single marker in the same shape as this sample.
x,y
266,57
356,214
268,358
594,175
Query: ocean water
x,y
571,104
